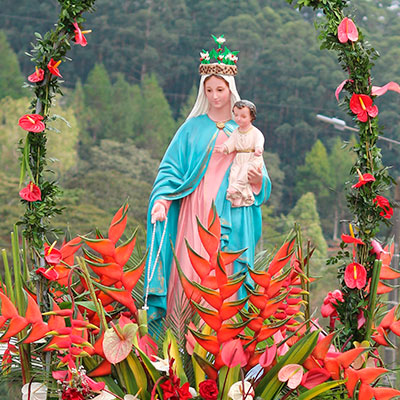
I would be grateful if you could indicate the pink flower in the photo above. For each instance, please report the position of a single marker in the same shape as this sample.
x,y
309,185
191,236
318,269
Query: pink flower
x,y
37,76
232,354
332,298
315,377
268,356
292,374
361,104
383,203
32,123
355,276
347,30
79,35
379,91
31,192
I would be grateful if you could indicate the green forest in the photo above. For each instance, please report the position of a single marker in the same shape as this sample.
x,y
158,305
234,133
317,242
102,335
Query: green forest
x,y
126,93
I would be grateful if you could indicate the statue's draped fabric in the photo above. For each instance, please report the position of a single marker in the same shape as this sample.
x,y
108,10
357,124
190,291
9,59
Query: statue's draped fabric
x,y
181,170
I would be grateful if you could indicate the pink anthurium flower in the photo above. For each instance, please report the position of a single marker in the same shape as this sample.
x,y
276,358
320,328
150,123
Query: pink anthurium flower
x,y
31,192
340,88
117,343
32,123
37,76
315,377
363,179
79,35
53,67
377,249
355,276
362,105
379,91
268,356
232,354
347,30
292,374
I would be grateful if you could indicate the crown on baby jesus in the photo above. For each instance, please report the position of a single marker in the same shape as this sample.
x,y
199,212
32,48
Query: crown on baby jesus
x,y
224,59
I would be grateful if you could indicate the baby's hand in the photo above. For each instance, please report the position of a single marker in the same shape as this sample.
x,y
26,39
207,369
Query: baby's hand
x,y
258,151
220,148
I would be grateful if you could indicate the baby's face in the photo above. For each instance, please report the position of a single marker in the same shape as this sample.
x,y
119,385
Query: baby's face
x,y
242,117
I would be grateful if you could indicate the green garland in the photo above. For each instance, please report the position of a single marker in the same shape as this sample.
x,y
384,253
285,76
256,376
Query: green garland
x,y
356,58
53,45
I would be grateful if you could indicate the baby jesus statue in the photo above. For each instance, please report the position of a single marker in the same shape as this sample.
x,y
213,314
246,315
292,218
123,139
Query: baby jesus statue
x,y
248,143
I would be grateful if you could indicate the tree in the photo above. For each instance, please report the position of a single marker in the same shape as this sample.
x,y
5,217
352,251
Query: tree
x,y
156,125
316,176
306,215
11,79
98,102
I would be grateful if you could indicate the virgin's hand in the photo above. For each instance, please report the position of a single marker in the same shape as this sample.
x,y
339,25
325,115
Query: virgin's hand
x,y
254,175
158,212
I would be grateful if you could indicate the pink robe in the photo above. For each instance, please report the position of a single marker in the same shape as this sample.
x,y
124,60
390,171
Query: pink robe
x,y
198,203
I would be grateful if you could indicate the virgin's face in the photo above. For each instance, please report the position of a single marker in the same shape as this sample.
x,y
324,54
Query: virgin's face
x,y
217,92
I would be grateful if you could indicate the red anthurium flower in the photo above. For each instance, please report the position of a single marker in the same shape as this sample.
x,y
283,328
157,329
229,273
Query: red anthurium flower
x,y
52,255
351,239
37,76
32,123
355,276
361,104
53,67
347,30
49,273
31,192
383,203
79,35
363,179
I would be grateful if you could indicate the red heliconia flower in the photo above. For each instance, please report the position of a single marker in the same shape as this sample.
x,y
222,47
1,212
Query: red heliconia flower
x,y
32,123
347,30
52,255
37,76
383,202
355,276
79,35
53,67
31,192
363,179
362,105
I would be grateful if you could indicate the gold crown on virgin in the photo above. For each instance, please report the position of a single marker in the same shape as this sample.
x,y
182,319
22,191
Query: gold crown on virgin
x,y
219,61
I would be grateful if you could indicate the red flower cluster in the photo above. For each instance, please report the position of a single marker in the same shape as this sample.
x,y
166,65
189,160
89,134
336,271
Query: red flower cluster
x,y
172,388
208,390
383,203
72,394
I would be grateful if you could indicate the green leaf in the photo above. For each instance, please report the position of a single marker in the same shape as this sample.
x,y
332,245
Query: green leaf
x,y
317,390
